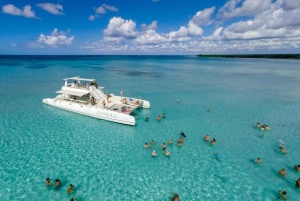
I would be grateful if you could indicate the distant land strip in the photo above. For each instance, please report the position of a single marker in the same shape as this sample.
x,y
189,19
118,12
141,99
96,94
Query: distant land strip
x,y
262,56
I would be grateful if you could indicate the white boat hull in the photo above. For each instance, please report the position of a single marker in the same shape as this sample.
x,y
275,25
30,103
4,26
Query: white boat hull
x,y
92,111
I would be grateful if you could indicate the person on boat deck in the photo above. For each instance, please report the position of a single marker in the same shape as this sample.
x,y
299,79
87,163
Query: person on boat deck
x,y
137,102
146,145
70,189
282,195
282,172
282,149
154,153
183,135
163,146
168,153
297,183
57,183
297,167
206,138
213,141
170,142
258,160
163,115
147,118
103,103
48,183
153,143
107,97
257,125
158,118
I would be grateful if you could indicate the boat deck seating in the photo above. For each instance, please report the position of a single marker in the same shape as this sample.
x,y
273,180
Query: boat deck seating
x,y
121,108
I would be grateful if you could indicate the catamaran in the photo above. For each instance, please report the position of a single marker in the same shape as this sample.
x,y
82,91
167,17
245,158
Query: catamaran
x,y
85,96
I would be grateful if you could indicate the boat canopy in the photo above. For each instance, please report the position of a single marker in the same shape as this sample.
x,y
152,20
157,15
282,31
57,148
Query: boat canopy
x,y
79,79
74,93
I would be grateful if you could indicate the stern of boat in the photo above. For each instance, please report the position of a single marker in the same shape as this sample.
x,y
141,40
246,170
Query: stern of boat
x,y
145,104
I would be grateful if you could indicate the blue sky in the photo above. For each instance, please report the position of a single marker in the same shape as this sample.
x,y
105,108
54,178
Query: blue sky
x,y
156,27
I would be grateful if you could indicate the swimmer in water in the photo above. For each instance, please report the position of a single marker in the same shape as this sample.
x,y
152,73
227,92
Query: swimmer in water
x,y
154,153
168,153
182,134
146,145
208,110
152,143
257,125
297,167
147,118
213,141
70,189
175,197
282,195
163,146
73,199
158,118
163,115
180,140
258,160
206,138
282,149
48,183
282,172
218,155
57,183
297,183
170,142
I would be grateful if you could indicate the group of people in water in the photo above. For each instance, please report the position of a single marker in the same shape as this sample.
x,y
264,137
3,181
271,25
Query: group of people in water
x,y
212,142
282,194
57,184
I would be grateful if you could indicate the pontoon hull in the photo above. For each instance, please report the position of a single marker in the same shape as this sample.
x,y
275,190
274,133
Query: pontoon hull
x,y
92,111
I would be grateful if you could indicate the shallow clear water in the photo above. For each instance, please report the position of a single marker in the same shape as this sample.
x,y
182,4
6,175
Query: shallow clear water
x,y
107,161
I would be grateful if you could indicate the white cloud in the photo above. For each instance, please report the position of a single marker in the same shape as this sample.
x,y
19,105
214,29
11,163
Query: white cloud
x,y
56,39
119,27
52,8
101,10
152,26
248,8
273,23
105,46
91,17
221,47
34,45
216,35
111,8
203,17
13,10
291,4
194,30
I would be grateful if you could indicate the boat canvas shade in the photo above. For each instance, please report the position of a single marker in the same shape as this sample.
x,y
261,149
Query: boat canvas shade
x,y
74,93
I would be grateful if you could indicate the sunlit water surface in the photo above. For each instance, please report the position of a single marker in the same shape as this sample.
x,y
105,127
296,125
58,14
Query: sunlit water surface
x,y
106,161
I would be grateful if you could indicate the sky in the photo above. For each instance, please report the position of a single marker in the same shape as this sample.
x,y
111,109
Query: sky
x,y
149,27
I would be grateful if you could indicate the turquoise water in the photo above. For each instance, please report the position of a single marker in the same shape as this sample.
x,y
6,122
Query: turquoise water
x,y
107,161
